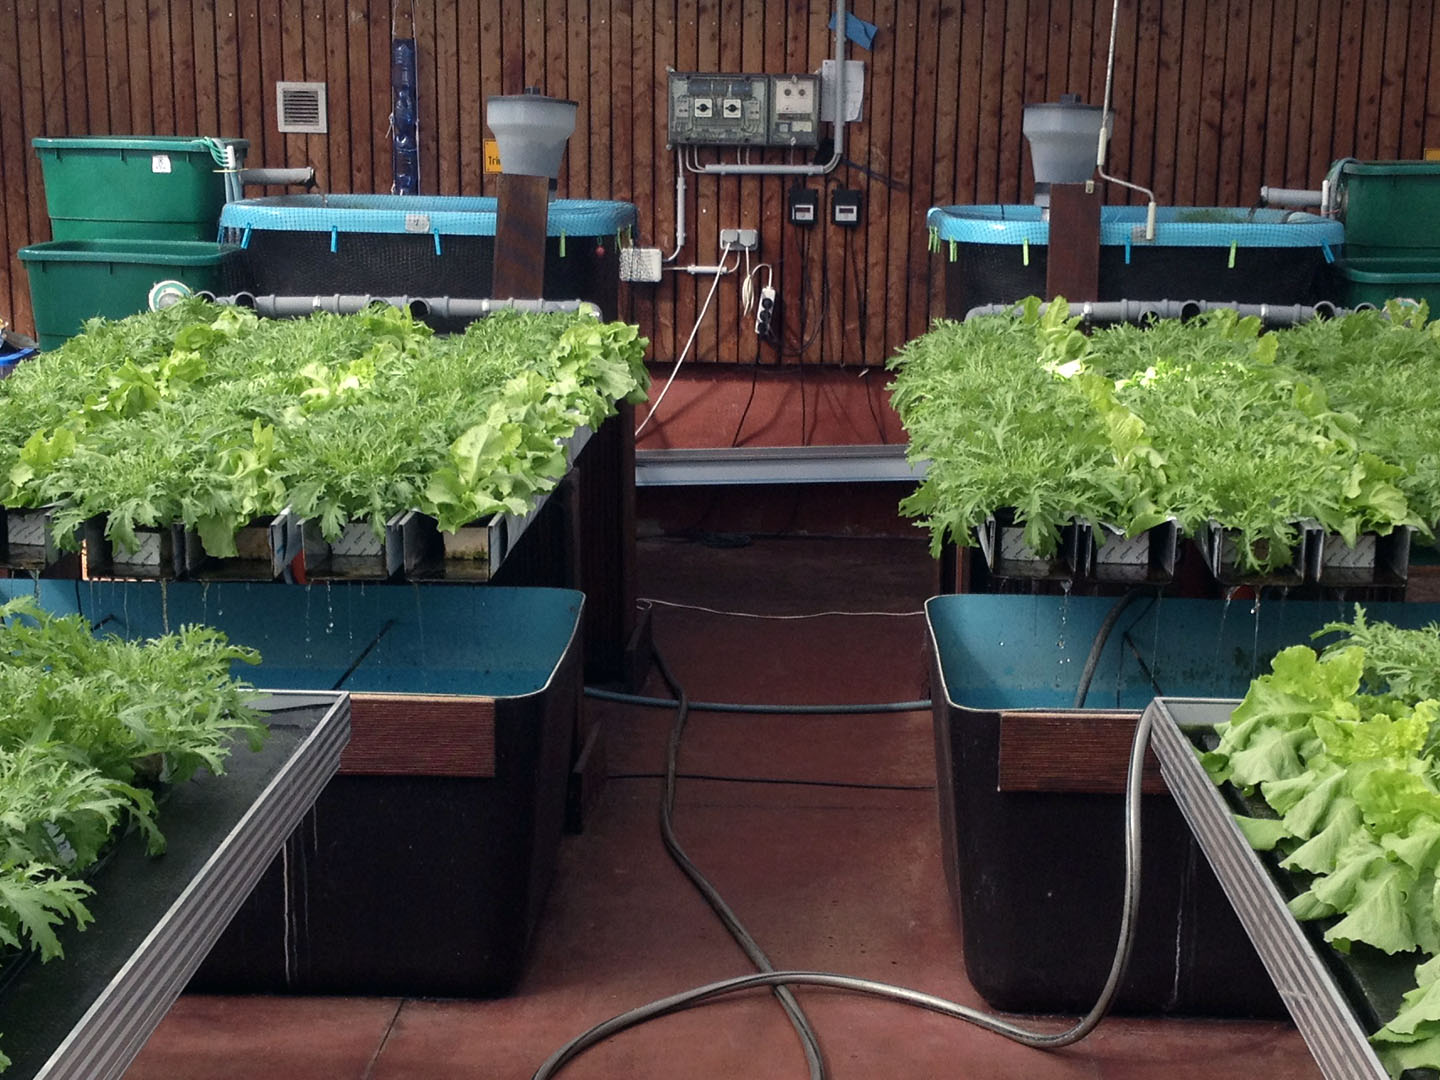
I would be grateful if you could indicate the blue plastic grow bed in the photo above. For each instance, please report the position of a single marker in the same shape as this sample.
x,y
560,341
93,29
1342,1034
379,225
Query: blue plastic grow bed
x,y
1030,793
996,254
450,802
411,245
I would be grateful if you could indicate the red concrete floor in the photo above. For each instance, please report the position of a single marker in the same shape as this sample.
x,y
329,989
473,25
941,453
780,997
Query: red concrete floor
x,y
822,833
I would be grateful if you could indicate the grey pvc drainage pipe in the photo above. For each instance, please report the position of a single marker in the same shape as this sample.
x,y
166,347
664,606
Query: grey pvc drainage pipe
x,y
280,307
1141,310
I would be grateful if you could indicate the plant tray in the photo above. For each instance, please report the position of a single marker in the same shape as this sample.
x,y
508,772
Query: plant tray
x,y
1332,998
163,555
26,542
1374,560
1147,559
1221,549
1002,543
357,554
265,550
476,551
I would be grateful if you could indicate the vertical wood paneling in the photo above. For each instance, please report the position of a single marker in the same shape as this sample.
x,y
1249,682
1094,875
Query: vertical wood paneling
x,y
1212,100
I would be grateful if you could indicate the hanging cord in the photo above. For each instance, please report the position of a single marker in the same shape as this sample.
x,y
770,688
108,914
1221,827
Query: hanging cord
x,y
751,947
778,979
691,341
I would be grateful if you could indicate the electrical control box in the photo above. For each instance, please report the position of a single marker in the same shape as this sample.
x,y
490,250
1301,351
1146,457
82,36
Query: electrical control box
x,y
743,110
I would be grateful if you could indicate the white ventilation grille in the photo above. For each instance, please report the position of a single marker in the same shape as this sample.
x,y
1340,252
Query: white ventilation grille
x,y
300,107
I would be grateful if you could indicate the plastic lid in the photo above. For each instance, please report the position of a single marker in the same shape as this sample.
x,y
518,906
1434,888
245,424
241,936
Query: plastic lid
x,y
152,143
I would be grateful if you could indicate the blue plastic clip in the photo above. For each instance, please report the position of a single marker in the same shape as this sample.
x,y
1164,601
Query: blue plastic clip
x,y
436,234
1128,241
1329,255
334,239
245,237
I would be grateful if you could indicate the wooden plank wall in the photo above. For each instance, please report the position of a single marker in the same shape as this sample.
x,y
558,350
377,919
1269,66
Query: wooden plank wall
x,y
1213,99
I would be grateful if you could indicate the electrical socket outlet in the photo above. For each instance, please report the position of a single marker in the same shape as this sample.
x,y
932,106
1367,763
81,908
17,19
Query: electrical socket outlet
x,y
739,239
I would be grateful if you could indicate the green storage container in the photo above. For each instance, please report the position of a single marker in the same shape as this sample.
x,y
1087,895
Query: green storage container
x,y
1375,279
146,187
74,280
1391,208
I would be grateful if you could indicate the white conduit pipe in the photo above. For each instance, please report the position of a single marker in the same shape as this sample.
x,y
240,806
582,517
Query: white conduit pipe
x,y
1105,132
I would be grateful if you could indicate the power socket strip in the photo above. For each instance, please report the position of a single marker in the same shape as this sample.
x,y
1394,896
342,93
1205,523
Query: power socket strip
x,y
765,313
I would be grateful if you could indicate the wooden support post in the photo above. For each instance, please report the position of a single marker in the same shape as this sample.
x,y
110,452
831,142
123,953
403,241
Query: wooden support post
x,y
1072,267
522,207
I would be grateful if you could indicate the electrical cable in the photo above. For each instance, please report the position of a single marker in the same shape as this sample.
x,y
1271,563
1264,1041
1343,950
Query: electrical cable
x,y
685,351
749,400
808,1039
779,618
861,709
1036,1039
779,781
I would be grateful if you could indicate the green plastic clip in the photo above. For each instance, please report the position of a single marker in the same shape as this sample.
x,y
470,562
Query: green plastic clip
x,y
562,245
1231,264
954,250
934,239
1025,251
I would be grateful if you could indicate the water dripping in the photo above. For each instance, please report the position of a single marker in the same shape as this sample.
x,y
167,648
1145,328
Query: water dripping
x,y
329,610
307,622
205,602
35,579
1255,643
419,619
164,607
1230,591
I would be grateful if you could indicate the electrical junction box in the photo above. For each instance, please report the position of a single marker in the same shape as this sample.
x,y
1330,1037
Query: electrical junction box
x,y
743,110
639,264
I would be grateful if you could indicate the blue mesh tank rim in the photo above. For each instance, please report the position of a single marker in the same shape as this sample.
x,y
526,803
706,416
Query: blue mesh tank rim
x,y
1175,226
447,215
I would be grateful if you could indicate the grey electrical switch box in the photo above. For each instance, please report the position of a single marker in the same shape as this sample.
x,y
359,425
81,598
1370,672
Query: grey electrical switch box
x,y
743,110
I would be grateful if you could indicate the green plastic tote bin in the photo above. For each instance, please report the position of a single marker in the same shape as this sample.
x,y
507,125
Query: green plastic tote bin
x,y
146,187
74,280
1373,280
1391,208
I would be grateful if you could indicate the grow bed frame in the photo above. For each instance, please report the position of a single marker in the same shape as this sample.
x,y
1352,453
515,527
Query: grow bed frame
x,y
1331,997
87,1015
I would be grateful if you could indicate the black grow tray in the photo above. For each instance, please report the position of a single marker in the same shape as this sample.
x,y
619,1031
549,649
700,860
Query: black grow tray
x,y
1334,998
88,1014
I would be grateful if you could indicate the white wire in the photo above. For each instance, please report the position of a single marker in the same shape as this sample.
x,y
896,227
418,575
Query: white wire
x,y
778,618
683,352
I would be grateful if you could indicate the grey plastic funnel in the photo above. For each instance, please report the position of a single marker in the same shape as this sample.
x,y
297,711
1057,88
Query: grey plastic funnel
x,y
1064,137
531,130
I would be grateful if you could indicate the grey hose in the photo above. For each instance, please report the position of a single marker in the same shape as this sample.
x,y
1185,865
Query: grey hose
x,y
808,1039
1036,1039
1097,646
